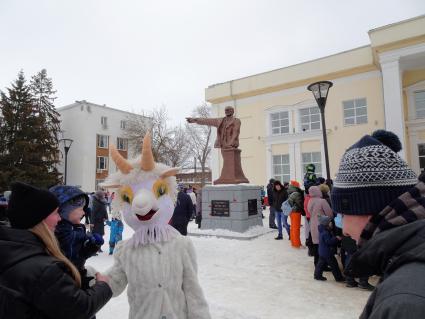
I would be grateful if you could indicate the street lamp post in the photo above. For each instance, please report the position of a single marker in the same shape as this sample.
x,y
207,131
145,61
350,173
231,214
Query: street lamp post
x,y
320,91
67,145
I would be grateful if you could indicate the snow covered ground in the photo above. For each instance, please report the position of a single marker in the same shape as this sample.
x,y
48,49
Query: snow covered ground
x,y
255,279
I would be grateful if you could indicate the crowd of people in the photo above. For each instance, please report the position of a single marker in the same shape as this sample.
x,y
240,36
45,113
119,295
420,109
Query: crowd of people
x,y
371,218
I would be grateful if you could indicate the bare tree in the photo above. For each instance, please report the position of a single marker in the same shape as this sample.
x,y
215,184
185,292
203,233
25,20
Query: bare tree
x,y
156,123
200,138
179,153
169,145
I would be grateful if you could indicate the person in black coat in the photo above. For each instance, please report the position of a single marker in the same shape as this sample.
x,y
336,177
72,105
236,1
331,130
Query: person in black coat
x,y
383,210
36,280
182,212
99,214
272,222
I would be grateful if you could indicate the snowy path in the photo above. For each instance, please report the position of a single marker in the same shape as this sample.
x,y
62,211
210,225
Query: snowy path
x,y
258,279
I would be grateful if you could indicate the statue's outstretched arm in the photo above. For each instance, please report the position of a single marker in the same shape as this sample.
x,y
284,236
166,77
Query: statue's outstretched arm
x,y
209,121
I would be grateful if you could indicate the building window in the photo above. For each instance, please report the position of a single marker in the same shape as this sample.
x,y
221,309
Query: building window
x,y
281,168
310,119
421,152
103,141
123,125
355,112
102,163
104,121
280,123
420,104
312,158
122,143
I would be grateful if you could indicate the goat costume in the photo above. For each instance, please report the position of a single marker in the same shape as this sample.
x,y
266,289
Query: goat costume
x,y
158,264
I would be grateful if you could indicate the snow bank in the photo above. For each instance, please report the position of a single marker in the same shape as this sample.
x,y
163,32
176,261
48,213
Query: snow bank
x,y
251,233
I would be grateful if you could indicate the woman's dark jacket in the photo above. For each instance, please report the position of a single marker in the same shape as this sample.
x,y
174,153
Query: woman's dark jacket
x,y
278,198
183,210
99,216
398,255
35,285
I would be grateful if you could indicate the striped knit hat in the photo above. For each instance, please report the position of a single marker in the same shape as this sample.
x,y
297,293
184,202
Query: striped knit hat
x,y
371,175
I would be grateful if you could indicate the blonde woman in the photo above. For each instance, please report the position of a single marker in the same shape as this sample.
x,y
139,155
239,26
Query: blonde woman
x,y
36,279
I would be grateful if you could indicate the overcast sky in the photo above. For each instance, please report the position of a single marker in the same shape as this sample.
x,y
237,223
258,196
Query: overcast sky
x,y
137,55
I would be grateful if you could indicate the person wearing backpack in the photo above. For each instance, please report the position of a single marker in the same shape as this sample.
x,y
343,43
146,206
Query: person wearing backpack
x,y
279,196
296,200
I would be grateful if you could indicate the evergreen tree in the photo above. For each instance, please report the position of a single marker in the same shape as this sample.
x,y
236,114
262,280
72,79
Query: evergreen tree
x,y
41,88
26,154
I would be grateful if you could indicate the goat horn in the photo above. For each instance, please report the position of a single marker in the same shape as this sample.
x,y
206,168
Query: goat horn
x,y
123,165
171,172
148,162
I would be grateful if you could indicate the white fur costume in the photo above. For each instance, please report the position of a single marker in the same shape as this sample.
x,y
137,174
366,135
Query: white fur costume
x,y
157,263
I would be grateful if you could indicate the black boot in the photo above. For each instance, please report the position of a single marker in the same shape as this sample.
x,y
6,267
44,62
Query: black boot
x,y
279,237
320,278
351,283
366,286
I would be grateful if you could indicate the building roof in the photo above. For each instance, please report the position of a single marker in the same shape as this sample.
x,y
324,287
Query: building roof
x,y
332,66
192,170
84,102
357,60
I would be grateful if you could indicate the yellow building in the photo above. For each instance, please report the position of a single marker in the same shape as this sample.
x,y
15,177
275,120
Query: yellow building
x,y
381,85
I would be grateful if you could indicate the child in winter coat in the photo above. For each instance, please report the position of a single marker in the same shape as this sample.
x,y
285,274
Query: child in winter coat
x,y
327,250
117,227
74,242
296,200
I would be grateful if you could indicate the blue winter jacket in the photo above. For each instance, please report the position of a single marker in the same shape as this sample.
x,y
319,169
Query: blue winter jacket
x,y
327,242
75,243
117,227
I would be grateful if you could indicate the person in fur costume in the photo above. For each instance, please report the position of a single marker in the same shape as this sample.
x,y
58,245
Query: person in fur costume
x,y
157,264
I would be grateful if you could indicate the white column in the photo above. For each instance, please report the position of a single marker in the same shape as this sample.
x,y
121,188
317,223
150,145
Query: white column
x,y
294,120
393,99
269,163
292,160
298,162
414,152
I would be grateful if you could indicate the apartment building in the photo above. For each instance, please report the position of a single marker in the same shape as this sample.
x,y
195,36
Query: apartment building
x,y
93,127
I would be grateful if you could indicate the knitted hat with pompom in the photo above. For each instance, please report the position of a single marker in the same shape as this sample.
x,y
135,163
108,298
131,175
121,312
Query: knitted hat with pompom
x,y
371,175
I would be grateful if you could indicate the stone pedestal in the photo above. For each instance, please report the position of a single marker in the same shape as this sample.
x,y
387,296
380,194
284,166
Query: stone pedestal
x,y
231,173
232,207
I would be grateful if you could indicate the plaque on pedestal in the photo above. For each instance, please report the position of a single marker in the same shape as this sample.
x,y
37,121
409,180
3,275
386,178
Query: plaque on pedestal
x,y
252,207
232,207
220,208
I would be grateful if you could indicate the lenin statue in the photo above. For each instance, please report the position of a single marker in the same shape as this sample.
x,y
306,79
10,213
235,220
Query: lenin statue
x,y
228,129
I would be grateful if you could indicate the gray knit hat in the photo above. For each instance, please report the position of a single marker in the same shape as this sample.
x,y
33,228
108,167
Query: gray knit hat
x,y
371,175
324,220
